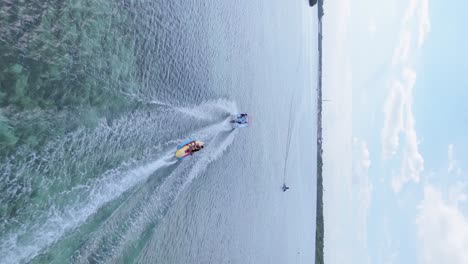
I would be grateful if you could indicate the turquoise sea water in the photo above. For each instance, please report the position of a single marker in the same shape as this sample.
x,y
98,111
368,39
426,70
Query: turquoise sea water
x,y
96,95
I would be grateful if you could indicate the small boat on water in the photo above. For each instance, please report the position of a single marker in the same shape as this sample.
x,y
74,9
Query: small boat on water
x,y
240,120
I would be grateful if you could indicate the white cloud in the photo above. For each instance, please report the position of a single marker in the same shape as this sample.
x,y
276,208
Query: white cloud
x,y
412,160
453,166
361,159
442,230
402,52
362,195
396,112
399,121
424,21
419,10
361,165
399,134
457,193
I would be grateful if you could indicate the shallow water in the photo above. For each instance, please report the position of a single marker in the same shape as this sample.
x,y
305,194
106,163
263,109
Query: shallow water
x,y
95,96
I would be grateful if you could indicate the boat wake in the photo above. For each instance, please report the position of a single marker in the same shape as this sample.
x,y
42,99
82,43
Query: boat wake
x,y
97,191
126,229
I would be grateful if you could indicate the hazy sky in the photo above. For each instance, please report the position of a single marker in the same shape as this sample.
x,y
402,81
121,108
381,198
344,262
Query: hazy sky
x,y
396,131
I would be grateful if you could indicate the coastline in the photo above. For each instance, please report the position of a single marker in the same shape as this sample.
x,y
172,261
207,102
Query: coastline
x,y
319,230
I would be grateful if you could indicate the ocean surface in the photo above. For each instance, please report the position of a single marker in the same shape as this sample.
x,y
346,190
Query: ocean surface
x,y
95,96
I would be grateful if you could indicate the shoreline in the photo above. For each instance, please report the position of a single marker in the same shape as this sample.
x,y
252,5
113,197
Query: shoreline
x,y
319,230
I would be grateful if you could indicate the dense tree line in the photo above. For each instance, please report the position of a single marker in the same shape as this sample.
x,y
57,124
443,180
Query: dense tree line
x,y
319,231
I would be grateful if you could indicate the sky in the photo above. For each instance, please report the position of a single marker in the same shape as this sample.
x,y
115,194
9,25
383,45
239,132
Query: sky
x,y
395,131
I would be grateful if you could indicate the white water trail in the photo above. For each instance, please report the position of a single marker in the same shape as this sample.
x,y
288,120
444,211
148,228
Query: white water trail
x,y
204,110
147,255
70,163
148,207
42,234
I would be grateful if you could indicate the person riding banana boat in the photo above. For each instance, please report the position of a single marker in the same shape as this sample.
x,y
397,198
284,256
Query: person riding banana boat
x,y
193,147
188,147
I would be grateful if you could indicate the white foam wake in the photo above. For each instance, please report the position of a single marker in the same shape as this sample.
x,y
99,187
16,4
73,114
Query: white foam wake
x,y
74,185
23,245
148,206
220,144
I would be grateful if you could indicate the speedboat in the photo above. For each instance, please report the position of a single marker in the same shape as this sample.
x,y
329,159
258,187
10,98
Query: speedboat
x,y
240,120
